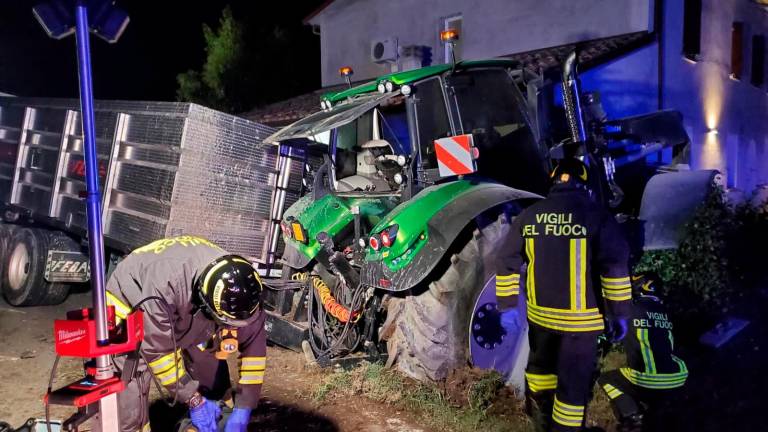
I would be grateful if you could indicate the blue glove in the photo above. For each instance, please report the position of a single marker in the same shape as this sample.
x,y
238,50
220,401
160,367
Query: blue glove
x,y
509,319
617,329
238,420
205,415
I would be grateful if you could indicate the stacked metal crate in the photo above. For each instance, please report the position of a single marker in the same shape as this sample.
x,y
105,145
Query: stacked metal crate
x,y
166,169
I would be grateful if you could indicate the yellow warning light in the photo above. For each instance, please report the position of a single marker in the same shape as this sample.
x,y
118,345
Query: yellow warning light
x,y
298,232
345,71
449,35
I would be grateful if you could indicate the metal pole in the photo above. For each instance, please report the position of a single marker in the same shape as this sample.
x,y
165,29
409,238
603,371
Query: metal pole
x,y
93,200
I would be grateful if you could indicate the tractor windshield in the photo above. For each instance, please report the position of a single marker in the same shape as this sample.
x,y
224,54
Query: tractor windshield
x,y
490,108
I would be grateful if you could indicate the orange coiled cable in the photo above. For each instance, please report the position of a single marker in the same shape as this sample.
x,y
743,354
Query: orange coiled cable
x,y
330,304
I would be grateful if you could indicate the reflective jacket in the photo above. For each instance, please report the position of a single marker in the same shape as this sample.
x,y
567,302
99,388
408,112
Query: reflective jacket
x,y
566,240
168,269
649,346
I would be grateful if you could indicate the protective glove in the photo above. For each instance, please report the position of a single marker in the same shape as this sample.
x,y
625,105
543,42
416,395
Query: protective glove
x,y
205,416
509,319
238,420
617,329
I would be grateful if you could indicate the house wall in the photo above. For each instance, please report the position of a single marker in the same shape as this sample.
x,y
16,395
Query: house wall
x,y
490,28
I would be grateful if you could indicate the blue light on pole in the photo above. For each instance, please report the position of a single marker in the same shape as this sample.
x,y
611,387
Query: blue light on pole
x,y
61,18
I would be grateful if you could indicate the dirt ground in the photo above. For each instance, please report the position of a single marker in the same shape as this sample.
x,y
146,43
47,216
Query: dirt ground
x,y
26,357
725,390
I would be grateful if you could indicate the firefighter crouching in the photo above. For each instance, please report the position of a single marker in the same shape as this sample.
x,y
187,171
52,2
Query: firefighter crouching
x,y
563,239
200,303
653,372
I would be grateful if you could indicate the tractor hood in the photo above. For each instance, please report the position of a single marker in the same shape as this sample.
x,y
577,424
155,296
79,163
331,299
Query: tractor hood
x,y
326,120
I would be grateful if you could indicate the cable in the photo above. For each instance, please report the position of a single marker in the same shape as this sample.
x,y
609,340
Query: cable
x,y
50,388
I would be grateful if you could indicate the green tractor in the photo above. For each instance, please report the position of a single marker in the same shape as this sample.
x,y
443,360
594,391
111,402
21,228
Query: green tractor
x,y
390,253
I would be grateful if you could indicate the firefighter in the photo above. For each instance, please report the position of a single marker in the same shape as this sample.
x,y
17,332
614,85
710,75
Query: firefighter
x,y
200,304
653,373
561,241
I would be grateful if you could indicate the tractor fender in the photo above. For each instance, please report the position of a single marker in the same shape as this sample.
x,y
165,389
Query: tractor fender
x,y
430,234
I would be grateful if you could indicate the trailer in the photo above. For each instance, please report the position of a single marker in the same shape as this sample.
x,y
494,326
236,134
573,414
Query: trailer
x,y
165,170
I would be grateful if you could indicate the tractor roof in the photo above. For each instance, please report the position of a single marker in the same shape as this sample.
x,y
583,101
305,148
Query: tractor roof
x,y
410,76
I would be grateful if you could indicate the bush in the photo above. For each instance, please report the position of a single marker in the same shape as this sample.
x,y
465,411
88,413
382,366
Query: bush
x,y
695,276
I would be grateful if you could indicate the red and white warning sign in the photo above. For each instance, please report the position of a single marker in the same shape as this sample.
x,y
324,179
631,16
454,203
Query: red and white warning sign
x,y
456,155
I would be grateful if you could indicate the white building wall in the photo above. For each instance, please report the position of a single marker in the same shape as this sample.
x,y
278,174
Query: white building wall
x,y
490,27
710,100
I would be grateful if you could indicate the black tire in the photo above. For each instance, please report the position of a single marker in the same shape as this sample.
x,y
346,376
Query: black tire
x,y
6,232
23,280
427,332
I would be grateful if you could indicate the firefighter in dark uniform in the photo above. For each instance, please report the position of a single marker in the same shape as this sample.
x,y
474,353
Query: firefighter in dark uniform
x,y
564,239
200,303
653,372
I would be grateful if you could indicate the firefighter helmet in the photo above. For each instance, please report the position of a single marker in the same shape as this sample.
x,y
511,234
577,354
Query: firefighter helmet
x,y
644,285
570,170
229,290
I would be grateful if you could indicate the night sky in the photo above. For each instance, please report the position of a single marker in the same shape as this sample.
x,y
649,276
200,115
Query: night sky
x,y
163,39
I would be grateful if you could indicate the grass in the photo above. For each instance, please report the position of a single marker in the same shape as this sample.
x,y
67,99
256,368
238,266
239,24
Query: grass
x,y
489,407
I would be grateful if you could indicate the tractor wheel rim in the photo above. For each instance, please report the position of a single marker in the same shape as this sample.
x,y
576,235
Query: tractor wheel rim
x,y
490,345
18,267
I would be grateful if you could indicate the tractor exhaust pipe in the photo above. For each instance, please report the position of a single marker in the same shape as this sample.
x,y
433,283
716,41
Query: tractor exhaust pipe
x,y
572,100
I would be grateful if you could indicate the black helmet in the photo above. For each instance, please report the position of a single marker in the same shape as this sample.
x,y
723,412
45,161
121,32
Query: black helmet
x,y
230,289
645,285
570,170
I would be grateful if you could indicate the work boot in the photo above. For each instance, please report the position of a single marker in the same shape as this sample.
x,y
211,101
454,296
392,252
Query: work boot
x,y
633,423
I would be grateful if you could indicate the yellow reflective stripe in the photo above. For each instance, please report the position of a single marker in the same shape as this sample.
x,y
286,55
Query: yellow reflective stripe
x,y
210,274
161,364
253,363
658,381
251,377
566,414
617,297
578,274
170,377
681,364
146,428
645,349
530,276
121,309
538,382
567,327
514,277
566,314
612,391
622,279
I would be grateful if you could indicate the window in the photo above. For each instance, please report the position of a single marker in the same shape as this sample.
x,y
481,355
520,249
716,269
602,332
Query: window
x,y
432,118
758,60
737,50
454,23
489,106
692,29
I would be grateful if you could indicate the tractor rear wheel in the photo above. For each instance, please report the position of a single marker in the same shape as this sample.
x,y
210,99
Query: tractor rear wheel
x,y
452,320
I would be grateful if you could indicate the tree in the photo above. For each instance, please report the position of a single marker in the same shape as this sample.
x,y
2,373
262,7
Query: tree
x,y
258,58
214,85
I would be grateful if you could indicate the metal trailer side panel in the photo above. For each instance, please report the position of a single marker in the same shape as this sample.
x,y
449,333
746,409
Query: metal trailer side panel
x,y
11,120
225,181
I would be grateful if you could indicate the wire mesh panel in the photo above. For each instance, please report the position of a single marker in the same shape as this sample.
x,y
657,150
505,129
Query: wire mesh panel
x,y
225,182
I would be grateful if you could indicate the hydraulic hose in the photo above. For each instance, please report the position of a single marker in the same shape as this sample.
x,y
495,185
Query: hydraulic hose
x,y
571,99
330,304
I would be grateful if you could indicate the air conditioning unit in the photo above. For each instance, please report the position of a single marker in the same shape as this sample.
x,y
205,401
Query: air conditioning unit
x,y
384,50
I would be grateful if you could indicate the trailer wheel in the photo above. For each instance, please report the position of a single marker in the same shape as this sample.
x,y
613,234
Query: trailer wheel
x,y
6,231
454,322
24,282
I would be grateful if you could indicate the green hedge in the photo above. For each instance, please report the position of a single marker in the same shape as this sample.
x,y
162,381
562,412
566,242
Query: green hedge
x,y
695,276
